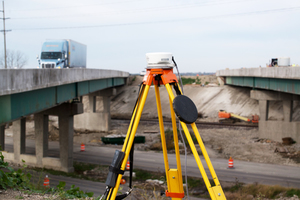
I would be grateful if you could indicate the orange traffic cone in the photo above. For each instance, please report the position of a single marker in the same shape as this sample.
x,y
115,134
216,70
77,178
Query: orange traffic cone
x,y
82,148
46,182
128,165
123,181
230,163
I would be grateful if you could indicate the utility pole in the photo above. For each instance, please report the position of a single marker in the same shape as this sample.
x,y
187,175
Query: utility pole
x,y
4,32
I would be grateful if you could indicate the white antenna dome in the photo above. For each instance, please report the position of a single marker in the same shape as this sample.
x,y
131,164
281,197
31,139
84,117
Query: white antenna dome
x,y
159,60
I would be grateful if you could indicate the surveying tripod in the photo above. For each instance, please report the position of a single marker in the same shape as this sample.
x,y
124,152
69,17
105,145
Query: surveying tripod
x,y
187,113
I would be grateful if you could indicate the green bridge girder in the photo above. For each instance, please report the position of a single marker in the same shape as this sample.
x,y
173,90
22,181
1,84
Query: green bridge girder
x,y
17,105
277,84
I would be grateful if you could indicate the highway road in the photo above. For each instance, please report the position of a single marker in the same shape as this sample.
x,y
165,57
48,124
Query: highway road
x,y
245,172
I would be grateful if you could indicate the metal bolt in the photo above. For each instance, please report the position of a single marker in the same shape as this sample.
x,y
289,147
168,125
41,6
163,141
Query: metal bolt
x,y
219,194
173,177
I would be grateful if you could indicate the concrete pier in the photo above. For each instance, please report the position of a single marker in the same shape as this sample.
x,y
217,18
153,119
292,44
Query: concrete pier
x,y
41,137
65,113
97,121
19,135
2,137
276,130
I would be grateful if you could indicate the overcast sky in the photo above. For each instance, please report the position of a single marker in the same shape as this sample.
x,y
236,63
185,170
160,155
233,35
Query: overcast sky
x,y
204,36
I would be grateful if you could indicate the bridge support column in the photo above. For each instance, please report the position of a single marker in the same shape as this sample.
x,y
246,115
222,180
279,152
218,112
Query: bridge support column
x,y
276,130
41,137
97,121
2,137
263,110
65,113
92,103
66,132
287,110
19,136
106,112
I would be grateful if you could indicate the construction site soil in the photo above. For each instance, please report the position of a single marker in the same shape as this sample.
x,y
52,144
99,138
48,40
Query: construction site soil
x,y
239,143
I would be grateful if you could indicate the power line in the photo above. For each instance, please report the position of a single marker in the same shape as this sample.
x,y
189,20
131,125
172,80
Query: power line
x,y
63,7
4,32
168,21
155,9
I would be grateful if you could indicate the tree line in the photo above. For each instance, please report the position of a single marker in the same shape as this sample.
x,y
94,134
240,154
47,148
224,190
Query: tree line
x,y
14,59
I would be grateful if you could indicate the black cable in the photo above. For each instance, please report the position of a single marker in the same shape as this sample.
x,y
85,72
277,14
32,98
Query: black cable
x,y
180,131
131,164
178,73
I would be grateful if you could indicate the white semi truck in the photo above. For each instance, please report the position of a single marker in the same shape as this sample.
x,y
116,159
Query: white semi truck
x,y
64,53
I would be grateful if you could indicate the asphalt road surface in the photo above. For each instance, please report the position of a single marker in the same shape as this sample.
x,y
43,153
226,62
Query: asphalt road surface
x,y
245,172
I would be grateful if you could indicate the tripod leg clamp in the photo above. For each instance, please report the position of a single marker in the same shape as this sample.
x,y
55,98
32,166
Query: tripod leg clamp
x,y
114,169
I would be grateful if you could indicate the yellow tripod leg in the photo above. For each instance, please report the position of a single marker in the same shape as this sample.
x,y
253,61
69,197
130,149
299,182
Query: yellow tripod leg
x,y
217,189
175,136
216,192
162,131
133,119
173,176
130,138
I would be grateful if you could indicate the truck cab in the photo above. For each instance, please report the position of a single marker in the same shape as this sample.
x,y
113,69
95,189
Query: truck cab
x,y
54,54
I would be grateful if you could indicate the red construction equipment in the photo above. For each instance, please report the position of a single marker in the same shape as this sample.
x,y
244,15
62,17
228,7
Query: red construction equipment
x,y
225,115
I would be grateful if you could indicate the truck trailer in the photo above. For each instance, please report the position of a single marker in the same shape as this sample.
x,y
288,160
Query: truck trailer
x,y
64,53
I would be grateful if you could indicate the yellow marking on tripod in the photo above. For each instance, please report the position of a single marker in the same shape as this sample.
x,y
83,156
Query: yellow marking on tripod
x,y
175,184
176,144
162,131
131,136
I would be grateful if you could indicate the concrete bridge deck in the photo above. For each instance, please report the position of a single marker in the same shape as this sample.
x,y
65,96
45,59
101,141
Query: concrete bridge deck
x,y
270,84
281,79
27,91
45,92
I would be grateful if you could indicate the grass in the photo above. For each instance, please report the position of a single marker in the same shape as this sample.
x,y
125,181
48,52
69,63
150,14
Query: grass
x,y
237,191
79,168
195,182
292,192
143,175
186,81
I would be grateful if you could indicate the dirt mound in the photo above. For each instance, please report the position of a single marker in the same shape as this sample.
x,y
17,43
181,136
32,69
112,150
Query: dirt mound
x,y
208,100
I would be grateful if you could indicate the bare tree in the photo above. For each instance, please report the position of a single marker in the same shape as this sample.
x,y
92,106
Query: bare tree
x,y
15,59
